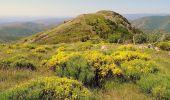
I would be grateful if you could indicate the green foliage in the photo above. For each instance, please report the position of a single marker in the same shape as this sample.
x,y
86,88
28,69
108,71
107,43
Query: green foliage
x,y
87,27
128,47
153,38
77,68
48,88
157,85
91,67
23,64
126,36
42,49
94,67
164,45
89,64
18,62
29,46
150,38
136,68
84,46
101,26
140,38
103,65
115,38
166,37
122,56
5,63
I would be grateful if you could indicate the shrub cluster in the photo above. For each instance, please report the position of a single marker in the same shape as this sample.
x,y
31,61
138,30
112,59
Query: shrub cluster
x,y
135,68
48,88
128,47
122,56
103,66
94,67
164,45
29,46
42,49
157,85
18,62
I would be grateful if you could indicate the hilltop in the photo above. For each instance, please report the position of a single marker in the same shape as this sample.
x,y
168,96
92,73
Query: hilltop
x,y
95,26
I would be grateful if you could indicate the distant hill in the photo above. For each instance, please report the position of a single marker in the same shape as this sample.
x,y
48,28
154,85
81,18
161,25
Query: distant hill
x,y
153,23
132,17
12,31
100,25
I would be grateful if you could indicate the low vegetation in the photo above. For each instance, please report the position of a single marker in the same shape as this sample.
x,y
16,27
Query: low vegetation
x,y
95,68
47,88
89,57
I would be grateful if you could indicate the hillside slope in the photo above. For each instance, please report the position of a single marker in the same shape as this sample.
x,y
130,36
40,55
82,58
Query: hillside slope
x,y
16,30
153,23
98,25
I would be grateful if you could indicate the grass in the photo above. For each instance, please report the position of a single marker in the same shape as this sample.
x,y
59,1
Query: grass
x,y
112,90
126,91
96,26
12,77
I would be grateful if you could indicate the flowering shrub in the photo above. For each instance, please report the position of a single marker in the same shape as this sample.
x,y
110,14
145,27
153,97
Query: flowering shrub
x,y
61,49
103,66
71,65
85,46
122,56
29,46
129,47
18,62
135,68
58,60
48,88
10,51
94,67
89,67
41,49
102,63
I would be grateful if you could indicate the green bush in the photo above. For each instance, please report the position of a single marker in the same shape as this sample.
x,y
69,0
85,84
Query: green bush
x,y
153,37
48,88
129,47
91,68
114,38
157,85
135,68
42,49
126,36
84,46
5,64
122,56
140,38
18,62
23,64
77,68
164,46
29,46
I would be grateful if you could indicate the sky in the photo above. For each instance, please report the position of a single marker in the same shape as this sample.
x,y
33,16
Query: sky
x,y
76,7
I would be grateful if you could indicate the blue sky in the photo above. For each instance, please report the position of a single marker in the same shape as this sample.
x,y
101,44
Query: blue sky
x,y
76,7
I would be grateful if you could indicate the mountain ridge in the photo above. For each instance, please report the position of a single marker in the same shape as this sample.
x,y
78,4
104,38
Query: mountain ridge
x,y
153,23
14,31
85,27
